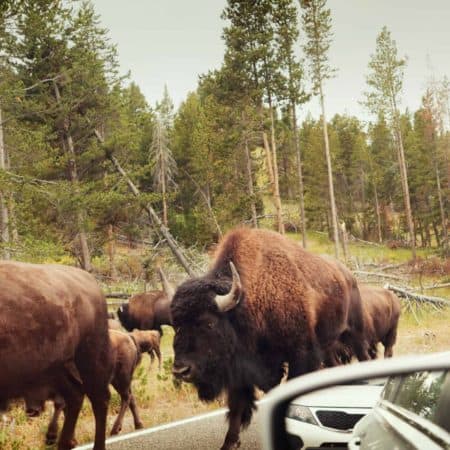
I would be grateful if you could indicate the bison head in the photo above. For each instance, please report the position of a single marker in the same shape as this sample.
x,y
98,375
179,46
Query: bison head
x,y
125,318
205,340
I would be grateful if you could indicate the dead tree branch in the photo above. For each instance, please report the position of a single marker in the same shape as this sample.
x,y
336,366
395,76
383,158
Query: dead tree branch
x,y
154,218
417,297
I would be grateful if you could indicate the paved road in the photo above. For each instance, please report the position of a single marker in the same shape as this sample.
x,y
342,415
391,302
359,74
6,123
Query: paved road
x,y
204,432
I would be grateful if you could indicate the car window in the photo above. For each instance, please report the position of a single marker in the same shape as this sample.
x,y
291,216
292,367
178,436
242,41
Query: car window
x,y
421,393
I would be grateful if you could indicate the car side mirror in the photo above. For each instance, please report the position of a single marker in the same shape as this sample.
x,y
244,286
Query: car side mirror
x,y
338,399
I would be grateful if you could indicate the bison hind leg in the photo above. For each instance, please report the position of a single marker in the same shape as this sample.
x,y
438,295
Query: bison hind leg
x,y
389,341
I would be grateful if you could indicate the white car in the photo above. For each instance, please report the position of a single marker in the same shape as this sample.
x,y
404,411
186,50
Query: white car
x,y
326,418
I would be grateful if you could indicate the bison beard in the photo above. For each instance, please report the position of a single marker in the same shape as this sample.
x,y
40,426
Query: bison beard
x,y
233,335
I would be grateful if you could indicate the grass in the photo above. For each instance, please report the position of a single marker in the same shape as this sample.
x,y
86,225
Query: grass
x,y
421,330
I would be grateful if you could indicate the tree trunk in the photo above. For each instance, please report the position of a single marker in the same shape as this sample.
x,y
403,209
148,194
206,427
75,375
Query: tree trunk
x,y
299,175
334,220
4,216
377,209
441,206
276,190
344,241
251,191
404,179
163,191
111,252
73,178
436,234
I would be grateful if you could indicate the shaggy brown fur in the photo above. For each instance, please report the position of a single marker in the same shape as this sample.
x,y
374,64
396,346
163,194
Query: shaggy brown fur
x,y
51,316
293,306
146,311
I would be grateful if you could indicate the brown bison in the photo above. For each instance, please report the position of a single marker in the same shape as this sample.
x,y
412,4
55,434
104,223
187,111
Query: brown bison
x,y
381,309
54,337
381,312
148,310
264,302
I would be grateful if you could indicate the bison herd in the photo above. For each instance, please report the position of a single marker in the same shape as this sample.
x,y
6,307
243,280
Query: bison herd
x,y
266,303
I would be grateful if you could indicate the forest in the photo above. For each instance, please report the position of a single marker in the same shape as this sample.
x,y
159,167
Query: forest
x,y
73,130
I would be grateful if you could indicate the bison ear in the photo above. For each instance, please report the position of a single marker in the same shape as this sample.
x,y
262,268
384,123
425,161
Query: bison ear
x,y
229,301
167,287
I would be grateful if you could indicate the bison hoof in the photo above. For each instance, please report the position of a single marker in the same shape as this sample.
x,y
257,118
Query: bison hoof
x,y
72,443
139,425
231,445
50,439
115,430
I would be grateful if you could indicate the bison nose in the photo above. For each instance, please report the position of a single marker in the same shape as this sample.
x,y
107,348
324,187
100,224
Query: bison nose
x,y
181,370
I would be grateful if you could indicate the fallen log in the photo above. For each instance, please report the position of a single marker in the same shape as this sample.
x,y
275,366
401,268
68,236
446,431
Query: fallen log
x,y
378,274
401,292
117,295
436,286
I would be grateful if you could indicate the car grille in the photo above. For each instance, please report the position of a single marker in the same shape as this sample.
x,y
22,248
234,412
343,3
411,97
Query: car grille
x,y
338,419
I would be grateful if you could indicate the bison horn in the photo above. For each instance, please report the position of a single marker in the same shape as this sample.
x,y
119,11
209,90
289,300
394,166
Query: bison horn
x,y
168,289
229,301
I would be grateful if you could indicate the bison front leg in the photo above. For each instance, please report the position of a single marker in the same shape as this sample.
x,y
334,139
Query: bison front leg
x,y
73,402
241,403
52,430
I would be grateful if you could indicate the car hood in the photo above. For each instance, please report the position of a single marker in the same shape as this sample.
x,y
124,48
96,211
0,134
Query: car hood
x,y
354,396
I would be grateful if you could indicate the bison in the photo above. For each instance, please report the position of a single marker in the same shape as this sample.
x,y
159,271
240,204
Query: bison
x,y
54,335
265,301
381,312
148,310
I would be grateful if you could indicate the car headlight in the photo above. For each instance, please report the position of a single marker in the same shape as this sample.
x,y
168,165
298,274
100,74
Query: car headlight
x,y
301,413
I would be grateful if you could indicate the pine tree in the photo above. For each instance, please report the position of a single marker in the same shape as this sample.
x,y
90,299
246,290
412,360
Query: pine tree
x,y
385,80
316,19
286,35
163,165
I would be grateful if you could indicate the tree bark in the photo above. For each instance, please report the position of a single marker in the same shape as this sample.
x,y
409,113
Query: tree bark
x,y
251,191
276,190
73,178
377,209
404,176
330,176
299,175
441,205
4,216
163,191
111,252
